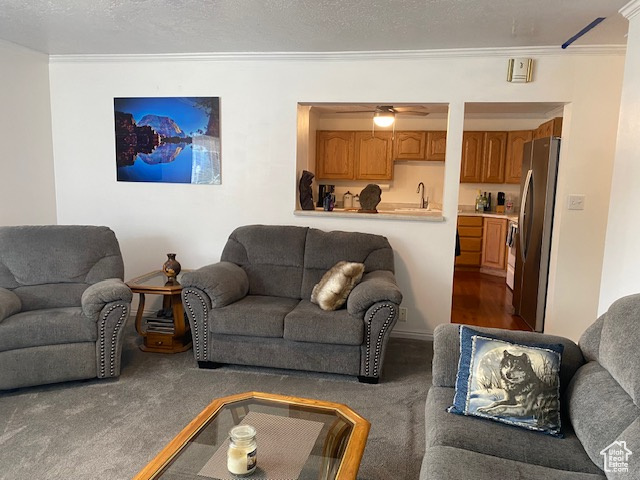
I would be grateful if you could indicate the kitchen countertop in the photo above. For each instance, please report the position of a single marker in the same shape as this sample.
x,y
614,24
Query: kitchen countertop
x,y
383,214
402,211
509,216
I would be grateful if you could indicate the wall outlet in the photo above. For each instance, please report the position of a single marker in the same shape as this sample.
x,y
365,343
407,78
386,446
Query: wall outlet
x,y
403,315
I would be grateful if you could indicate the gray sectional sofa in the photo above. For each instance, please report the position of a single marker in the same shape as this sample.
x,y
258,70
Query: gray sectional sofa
x,y
63,304
600,394
253,307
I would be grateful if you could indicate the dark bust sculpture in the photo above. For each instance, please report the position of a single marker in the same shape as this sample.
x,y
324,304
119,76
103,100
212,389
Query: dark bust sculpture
x,y
370,198
304,187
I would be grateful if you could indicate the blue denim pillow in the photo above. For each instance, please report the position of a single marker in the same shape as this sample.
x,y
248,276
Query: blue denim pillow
x,y
513,383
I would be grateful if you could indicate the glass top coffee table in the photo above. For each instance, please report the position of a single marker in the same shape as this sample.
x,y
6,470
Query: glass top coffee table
x,y
297,438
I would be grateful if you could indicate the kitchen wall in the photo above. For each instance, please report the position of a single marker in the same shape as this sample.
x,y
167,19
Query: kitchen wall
x,y
406,174
469,191
621,270
27,195
259,97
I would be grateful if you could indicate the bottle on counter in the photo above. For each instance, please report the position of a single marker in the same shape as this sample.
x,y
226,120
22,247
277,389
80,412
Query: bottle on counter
x,y
487,207
479,204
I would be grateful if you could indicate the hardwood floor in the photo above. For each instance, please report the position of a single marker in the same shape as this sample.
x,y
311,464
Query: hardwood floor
x,y
484,301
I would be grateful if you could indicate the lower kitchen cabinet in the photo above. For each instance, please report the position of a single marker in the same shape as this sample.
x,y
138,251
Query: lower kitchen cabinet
x,y
470,232
494,248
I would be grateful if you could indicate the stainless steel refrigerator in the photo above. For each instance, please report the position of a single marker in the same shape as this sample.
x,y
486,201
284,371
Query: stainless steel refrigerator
x,y
535,225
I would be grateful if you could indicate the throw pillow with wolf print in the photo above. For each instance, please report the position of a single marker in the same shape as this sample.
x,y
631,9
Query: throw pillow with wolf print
x,y
517,384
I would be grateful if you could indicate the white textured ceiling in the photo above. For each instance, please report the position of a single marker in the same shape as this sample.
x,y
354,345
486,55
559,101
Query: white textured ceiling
x,y
199,26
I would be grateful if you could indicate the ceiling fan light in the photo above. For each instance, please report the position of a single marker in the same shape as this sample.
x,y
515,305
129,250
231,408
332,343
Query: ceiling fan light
x,y
384,118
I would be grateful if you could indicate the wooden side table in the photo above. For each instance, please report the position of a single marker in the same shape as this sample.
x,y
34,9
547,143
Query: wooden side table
x,y
168,332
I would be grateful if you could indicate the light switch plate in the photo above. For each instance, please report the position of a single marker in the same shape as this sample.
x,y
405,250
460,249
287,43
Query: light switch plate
x,y
575,202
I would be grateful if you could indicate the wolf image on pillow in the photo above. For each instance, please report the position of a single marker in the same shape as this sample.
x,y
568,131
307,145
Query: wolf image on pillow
x,y
508,382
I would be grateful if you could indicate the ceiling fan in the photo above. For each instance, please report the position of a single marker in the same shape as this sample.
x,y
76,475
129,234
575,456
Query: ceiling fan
x,y
384,115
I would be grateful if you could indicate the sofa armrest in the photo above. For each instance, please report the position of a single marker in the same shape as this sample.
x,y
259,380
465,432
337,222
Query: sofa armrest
x,y
379,319
376,286
446,351
10,303
223,282
100,294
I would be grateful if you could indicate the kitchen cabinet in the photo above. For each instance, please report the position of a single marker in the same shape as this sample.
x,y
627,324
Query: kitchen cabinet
x,y
515,153
471,164
410,145
552,128
335,155
373,156
351,155
470,233
420,145
494,249
436,147
494,150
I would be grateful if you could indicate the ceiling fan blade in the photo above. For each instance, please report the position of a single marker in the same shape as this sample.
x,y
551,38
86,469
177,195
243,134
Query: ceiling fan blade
x,y
357,111
412,112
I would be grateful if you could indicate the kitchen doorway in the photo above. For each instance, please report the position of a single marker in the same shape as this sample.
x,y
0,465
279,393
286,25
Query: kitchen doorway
x,y
491,176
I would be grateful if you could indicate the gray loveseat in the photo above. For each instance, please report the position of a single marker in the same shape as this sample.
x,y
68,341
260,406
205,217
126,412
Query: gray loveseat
x,y
63,304
253,307
600,394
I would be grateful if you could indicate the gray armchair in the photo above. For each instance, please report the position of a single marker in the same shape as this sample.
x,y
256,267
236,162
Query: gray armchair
x,y
254,308
63,304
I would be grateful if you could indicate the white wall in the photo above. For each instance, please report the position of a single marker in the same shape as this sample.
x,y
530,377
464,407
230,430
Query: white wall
x,y
258,117
27,195
621,268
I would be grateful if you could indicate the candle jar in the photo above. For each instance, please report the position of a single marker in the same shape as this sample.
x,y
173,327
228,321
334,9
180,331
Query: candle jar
x,y
243,450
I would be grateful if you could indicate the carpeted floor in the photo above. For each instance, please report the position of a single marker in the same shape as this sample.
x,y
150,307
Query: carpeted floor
x,y
110,429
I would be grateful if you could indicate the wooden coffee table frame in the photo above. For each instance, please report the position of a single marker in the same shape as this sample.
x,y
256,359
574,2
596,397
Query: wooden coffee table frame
x,y
178,341
349,464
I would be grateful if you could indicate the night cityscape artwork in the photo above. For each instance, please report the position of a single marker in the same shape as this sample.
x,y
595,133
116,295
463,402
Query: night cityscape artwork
x,y
168,139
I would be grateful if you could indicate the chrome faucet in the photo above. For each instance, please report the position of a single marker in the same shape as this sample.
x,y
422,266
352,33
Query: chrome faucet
x,y
423,203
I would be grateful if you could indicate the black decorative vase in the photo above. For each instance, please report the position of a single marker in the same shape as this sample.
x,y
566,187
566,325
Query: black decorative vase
x,y
171,267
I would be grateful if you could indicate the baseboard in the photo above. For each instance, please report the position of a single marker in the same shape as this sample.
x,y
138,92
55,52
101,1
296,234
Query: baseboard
x,y
493,271
425,337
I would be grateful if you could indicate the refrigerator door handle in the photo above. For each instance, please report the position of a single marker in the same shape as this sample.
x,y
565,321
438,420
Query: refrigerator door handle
x,y
521,222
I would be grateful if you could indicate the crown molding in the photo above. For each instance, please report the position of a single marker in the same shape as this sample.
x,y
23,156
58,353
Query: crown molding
x,y
346,56
631,9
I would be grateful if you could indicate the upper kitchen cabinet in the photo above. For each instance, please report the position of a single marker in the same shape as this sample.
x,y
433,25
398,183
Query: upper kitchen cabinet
x,y
471,166
436,146
335,155
552,128
493,157
410,145
349,155
515,153
373,154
